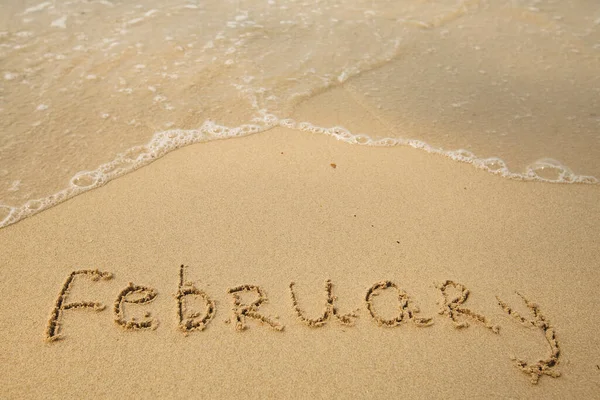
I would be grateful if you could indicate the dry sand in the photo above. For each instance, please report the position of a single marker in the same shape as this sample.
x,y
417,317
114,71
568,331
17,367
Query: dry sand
x,y
315,269
286,206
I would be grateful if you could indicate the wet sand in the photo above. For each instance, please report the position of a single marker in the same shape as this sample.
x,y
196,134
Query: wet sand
x,y
388,226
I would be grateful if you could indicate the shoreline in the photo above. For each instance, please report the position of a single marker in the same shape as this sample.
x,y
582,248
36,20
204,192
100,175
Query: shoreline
x,y
164,142
269,209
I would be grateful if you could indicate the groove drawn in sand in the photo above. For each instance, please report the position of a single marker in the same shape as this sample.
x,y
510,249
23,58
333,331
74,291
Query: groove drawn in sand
x,y
243,311
191,321
406,307
135,294
53,329
329,310
451,306
542,367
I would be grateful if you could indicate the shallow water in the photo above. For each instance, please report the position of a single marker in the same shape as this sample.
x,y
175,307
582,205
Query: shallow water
x,y
108,86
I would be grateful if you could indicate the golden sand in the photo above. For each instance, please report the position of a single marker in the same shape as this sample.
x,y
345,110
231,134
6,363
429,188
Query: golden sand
x,y
440,280
287,264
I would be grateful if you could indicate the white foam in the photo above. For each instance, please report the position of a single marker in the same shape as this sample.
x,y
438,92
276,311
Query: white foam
x,y
14,186
544,170
134,21
60,22
39,7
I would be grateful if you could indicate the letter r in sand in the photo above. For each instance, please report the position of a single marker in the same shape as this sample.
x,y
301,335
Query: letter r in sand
x,y
243,311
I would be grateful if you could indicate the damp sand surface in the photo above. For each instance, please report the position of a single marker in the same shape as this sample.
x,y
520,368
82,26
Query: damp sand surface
x,y
85,86
313,268
286,263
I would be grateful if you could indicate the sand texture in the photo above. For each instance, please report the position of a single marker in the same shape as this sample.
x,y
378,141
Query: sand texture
x,y
313,268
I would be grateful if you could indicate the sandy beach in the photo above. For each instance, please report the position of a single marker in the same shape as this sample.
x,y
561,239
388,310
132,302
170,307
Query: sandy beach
x,y
299,199
286,206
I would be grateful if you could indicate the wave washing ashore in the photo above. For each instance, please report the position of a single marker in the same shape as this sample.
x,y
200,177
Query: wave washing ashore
x,y
164,142
271,218
340,234
514,86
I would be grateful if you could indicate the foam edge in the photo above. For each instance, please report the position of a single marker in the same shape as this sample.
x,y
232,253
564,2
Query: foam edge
x,y
164,142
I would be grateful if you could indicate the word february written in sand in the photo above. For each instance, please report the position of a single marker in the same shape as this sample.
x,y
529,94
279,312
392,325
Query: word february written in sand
x,y
452,306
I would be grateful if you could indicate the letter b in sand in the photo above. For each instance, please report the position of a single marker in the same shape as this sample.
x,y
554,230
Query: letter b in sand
x,y
191,321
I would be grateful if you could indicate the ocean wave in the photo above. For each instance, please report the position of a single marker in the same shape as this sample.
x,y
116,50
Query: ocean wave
x,y
163,142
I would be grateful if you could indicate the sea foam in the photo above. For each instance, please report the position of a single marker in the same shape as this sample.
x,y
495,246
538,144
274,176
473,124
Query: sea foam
x,y
163,142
